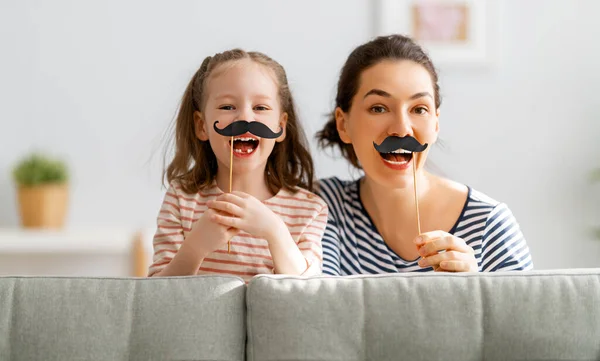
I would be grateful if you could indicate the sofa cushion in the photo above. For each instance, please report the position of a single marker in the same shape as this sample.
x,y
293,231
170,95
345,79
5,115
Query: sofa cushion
x,y
180,318
533,315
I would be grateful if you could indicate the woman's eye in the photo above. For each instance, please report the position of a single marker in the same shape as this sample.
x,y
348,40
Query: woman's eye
x,y
226,107
421,110
378,109
261,107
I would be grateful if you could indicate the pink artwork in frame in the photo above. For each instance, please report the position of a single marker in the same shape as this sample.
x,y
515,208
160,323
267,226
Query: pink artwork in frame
x,y
454,32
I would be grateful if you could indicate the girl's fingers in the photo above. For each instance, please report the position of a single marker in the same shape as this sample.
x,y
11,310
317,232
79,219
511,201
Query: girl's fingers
x,y
231,198
226,207
231,232
231,222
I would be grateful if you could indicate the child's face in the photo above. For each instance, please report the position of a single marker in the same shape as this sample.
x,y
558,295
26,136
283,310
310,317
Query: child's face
x,y
241,90
393,98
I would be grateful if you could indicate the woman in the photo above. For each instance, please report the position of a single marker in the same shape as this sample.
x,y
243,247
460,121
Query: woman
x,y
388,94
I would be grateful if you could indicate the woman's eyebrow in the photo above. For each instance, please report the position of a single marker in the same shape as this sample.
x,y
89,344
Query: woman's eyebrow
x,y
385,94
421,95
379,92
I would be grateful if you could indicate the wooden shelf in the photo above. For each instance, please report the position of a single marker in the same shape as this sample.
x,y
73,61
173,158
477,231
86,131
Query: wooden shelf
x,y
77,241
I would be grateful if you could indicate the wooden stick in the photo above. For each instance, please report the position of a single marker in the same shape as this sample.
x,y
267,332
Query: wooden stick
x,y
416,196
230,183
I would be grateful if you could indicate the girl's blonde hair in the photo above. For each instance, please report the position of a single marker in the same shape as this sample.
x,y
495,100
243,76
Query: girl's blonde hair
x,y
195,165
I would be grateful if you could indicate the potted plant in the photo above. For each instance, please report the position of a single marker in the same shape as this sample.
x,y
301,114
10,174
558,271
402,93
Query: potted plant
x,y
42,191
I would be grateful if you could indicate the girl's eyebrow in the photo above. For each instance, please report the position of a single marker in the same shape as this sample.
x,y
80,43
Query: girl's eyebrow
x,y
221,96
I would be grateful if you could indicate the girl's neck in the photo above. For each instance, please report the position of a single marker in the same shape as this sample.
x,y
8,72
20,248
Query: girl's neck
x,y
253,183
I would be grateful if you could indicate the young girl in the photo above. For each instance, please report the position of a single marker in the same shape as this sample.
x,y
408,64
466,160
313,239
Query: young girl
x,y
271,222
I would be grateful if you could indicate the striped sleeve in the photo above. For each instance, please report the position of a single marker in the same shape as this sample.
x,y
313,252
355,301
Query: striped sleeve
x,y
331,237
310,243
331,249
504,247
169,233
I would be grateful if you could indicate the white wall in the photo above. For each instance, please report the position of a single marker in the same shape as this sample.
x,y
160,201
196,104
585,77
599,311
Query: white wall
x,y
98,82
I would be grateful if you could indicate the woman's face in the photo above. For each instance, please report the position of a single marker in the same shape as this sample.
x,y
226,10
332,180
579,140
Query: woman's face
x,y
394,98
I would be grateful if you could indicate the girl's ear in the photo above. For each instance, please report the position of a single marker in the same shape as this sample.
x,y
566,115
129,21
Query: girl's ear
x,y
200,126
282,123
341,122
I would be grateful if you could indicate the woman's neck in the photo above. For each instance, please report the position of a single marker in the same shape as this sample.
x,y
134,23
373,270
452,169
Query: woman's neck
x,y
398,201
252,183
393,211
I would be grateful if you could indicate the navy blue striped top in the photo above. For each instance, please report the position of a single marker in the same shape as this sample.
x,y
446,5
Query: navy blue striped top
x,y
352,245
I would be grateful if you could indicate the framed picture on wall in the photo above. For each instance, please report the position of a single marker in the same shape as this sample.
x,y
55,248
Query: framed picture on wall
x,y
454,32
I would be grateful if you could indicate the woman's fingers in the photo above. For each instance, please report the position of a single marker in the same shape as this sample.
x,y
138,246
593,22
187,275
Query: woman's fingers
x,y
457,266
446,242
437,259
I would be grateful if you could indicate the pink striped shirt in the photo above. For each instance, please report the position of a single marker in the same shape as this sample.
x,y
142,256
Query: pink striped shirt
x,y
304,213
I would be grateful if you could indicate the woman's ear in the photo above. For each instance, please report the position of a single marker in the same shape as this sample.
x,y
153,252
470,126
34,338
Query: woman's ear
x,y
282,123
200,126
341,120
437,120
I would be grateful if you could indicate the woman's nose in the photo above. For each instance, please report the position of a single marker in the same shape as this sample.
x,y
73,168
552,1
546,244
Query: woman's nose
x,y
400,125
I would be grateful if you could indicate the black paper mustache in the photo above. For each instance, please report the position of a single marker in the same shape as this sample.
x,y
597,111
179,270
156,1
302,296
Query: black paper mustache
x,y
240,127
393,143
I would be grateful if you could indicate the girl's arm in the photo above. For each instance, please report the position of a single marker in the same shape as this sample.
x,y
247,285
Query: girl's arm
x,y
305,257
176,256
171,257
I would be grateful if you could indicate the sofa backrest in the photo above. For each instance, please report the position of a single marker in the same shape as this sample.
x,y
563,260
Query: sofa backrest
x,y
181,318
540,315
552,315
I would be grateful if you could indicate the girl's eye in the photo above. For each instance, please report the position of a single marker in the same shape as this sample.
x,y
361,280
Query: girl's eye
x,y
261,107
226,107
378,109
421,110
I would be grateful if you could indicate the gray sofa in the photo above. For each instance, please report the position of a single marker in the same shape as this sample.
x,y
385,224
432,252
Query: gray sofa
x,y
540,315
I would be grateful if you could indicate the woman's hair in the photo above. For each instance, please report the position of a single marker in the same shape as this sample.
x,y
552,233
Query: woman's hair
x,y
392,47
194,164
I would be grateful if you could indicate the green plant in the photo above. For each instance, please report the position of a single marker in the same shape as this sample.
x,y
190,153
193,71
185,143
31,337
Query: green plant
x,y
37,169
596,175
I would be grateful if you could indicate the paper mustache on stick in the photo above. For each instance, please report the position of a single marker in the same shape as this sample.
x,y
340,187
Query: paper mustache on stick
x,y
393,143
240,127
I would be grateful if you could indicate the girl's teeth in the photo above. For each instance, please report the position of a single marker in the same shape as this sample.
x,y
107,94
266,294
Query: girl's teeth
x,y
394,162
401,151
241,151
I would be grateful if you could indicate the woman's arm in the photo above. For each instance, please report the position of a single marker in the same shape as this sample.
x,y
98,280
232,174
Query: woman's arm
x,y
331,249
503,246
